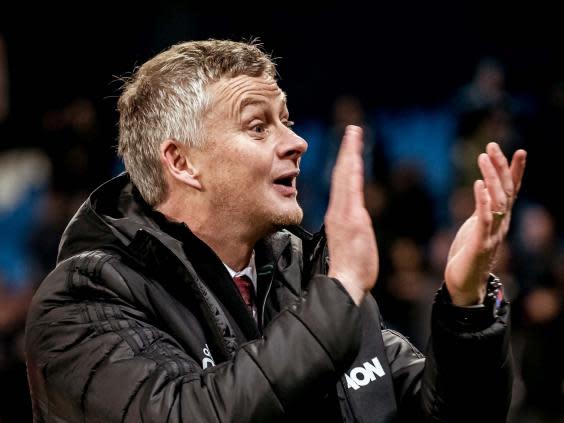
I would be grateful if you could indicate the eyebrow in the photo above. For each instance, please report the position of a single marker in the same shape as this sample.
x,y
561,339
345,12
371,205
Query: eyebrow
x,y
251,100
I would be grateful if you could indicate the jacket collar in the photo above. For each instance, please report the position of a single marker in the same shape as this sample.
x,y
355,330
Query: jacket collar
x,y
116,217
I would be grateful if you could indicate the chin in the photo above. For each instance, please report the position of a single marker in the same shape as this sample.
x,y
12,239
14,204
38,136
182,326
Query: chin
x,y
289,218
276,215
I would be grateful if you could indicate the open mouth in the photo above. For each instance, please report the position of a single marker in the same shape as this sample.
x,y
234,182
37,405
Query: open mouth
x,y
287,181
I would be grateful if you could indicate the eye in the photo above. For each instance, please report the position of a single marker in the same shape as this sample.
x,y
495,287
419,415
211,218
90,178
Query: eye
x,y
288,123
258,129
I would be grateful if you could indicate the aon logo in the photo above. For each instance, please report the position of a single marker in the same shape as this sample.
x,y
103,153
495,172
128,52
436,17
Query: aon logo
x,y
363,375
208,359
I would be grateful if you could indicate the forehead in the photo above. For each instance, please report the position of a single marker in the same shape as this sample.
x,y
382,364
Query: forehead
x,y
234,94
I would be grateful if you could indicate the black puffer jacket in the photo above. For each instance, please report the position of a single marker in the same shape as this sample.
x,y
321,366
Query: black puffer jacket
x,y
140,321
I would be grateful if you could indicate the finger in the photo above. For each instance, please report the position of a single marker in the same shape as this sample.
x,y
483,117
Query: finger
x,y
517,168
493,183
352,140
499,161
347,183
483,207
349,160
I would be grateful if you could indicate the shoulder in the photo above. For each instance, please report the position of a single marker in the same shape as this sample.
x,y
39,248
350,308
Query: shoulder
x,y
90,294
88,276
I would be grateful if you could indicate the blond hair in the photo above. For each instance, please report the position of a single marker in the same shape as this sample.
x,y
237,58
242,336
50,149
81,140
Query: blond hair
x,y
167,98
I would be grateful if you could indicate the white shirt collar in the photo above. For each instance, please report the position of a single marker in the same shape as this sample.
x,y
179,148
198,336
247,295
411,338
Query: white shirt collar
x,y
250,271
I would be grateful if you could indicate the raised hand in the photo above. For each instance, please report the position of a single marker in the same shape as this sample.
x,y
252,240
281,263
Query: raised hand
x,y
353,253
473,251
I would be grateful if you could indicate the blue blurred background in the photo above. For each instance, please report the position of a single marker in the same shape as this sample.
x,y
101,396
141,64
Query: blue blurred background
x,y
431,84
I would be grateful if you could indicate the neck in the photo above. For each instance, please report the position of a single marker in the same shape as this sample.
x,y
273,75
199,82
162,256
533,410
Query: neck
x,y
225,232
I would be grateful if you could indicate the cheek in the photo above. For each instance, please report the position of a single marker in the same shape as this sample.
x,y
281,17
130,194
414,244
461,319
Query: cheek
x,y
244,164
238,175
251,166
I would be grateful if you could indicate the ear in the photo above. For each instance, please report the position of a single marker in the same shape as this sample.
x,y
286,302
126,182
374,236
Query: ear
x,y
175,160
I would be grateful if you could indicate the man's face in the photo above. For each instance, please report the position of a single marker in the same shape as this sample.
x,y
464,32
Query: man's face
x,y
251,158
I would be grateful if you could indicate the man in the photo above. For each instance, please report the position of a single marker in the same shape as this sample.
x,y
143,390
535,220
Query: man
x,y
179,296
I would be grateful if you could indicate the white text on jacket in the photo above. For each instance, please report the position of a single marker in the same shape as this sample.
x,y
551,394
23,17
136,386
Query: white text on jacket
x,y
208,360
363,375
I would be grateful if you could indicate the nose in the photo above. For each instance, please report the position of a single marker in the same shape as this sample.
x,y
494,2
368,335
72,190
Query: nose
x,y
291,146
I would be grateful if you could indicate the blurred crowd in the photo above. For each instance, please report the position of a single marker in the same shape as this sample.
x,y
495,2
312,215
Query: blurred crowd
x,y
420,165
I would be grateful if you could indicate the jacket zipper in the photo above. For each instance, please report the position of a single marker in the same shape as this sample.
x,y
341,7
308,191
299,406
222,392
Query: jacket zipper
x,y
263,306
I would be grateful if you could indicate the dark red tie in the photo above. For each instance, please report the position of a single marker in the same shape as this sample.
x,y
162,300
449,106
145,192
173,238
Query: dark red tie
x,y
246,289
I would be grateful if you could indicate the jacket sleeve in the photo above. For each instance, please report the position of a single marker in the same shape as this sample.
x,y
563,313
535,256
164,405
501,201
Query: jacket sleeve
x,y
94,355
467,374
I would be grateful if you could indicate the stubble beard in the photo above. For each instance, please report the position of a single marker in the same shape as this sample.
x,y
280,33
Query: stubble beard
x,y
268,222
288,219
263,220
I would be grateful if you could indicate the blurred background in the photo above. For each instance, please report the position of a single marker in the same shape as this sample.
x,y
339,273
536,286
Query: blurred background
x,y
431,84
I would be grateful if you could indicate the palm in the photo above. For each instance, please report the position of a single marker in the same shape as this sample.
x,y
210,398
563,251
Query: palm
x,y
463,264
473,250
